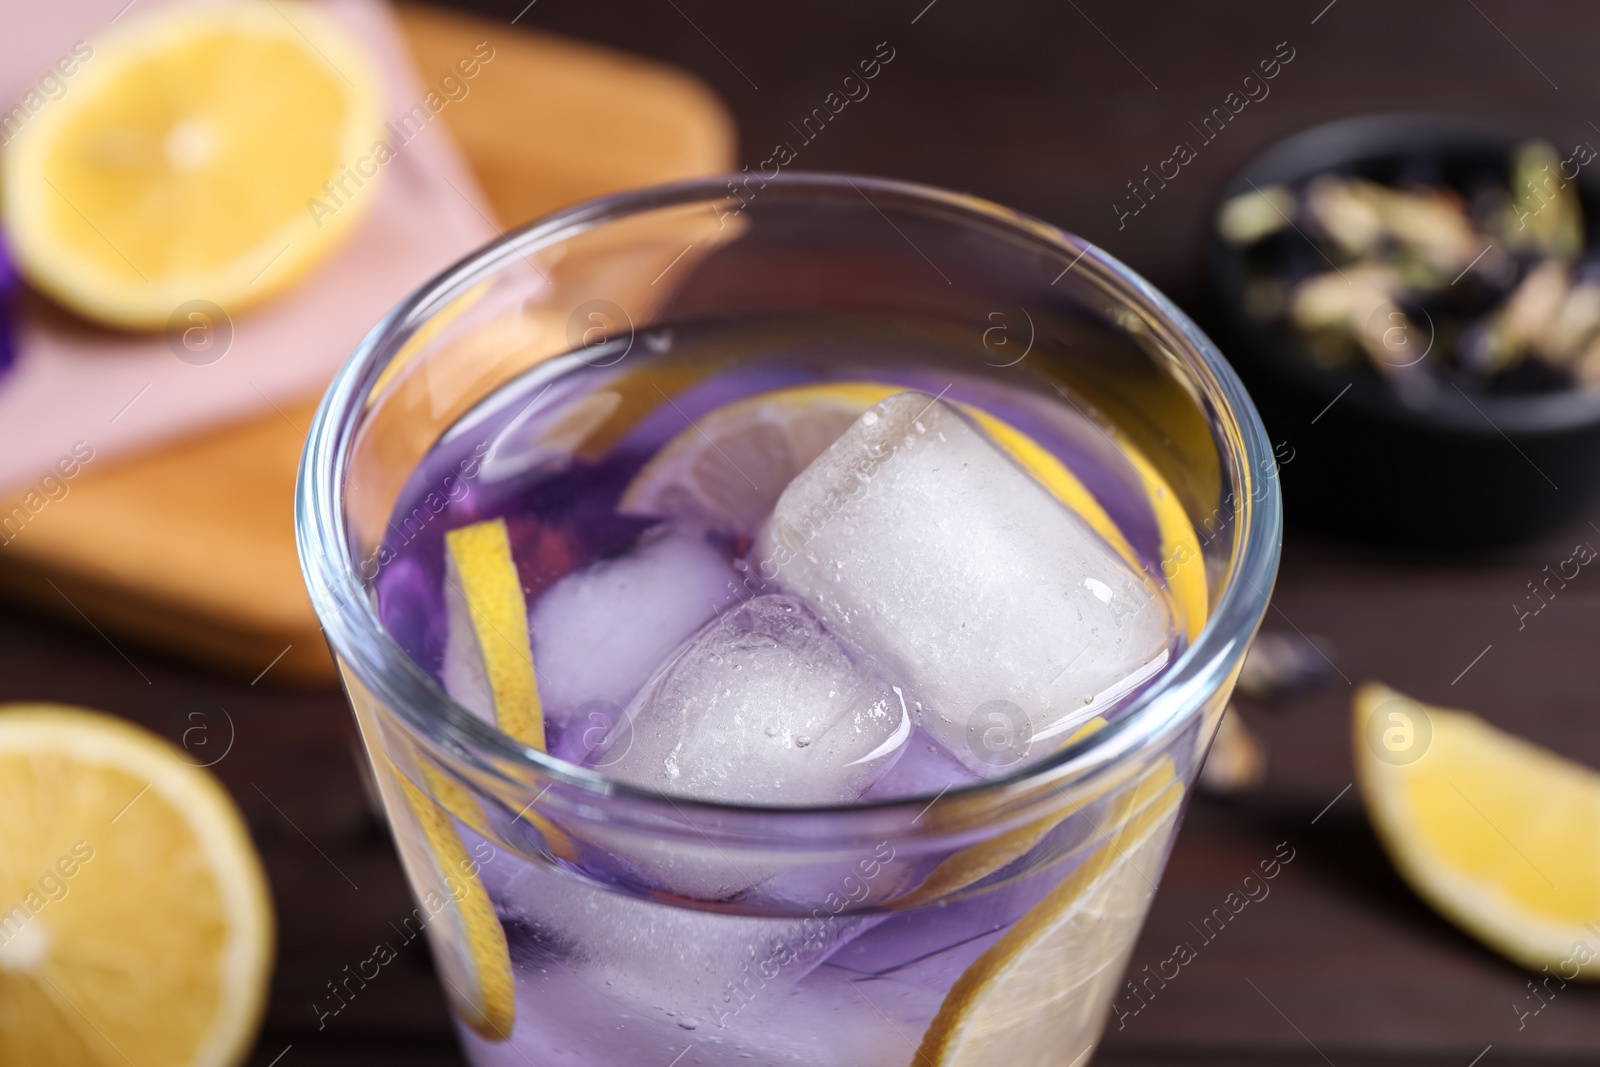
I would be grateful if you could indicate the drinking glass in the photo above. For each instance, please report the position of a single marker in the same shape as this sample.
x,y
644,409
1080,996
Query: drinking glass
x,y
989,922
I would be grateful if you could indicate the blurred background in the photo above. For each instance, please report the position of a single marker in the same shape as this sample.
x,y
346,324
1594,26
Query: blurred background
x,y
162,586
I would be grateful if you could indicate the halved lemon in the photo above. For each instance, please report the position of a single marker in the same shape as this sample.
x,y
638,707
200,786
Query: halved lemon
x,y
137,925
1037,997
206,152
1498,834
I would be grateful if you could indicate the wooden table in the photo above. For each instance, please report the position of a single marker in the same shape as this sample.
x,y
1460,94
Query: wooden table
x,y
1050,108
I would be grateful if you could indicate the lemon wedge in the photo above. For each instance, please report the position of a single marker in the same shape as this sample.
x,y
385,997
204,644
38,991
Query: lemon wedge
x,y
137,925
1498,834
204,153
1037,997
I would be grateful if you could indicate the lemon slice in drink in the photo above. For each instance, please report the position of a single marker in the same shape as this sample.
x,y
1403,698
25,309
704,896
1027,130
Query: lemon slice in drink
x,y
202,153
977,862
729,468
475,961
1498,834
481,577
491,653
137,925
1037,997
485,592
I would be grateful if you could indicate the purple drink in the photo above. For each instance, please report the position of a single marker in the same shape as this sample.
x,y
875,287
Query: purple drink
x,y
800,680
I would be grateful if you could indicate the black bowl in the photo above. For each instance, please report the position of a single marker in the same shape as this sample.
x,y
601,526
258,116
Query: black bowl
x,y
1453,471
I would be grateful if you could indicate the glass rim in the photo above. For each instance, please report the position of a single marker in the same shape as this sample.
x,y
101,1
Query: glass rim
x,y
365,648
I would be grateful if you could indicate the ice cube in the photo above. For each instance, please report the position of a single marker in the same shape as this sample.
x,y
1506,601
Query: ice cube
x,y
697,968
926,768
962,579
762,706
600,632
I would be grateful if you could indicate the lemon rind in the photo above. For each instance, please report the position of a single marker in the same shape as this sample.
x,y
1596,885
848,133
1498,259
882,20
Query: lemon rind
x,y
489,1009
484,571
948,1040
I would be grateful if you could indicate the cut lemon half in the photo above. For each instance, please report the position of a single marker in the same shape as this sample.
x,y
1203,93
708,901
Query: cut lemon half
x,y
1497,834
208,152
1037,997
138,926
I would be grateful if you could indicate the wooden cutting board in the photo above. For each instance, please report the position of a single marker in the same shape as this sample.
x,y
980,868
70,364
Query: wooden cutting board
x,y
190,547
